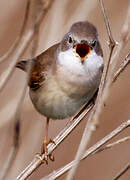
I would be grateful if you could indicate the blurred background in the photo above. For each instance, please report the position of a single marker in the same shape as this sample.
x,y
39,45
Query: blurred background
x,y
102,166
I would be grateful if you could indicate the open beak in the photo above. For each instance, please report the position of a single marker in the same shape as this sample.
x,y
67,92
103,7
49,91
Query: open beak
x,y
82,50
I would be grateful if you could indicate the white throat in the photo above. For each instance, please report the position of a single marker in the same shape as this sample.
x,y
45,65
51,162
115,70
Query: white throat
x,y
72,63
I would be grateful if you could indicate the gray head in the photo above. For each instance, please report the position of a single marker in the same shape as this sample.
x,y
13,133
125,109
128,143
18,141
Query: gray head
x,y
79,51
83,37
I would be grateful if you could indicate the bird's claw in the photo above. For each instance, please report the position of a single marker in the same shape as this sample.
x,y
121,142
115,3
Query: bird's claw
x,y
45,160
45,152
39,156
45,144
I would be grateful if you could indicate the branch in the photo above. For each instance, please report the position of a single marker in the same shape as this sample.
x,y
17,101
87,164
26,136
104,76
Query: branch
x,y
91,150
108,146
114,61
36,162
125,35
112,42
15,55
122,171
7,163
36,6
121,68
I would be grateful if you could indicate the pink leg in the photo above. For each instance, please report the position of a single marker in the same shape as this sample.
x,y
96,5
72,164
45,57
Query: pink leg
x,y
46,134
46,142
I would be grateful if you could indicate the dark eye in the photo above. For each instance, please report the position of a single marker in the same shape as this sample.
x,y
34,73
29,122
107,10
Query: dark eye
x,y
93,44
70,40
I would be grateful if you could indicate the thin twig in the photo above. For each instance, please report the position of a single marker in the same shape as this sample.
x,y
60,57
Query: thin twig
x,y
125,35
15,55
112,42
90,124
7,163
36,162
37,6
91,150
103,95
9,52
123,65
108,146
126,168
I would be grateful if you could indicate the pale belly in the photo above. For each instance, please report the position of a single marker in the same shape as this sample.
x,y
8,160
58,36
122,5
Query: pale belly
x,y
54,103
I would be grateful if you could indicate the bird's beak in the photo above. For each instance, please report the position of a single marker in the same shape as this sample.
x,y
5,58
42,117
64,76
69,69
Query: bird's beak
x,y
82,50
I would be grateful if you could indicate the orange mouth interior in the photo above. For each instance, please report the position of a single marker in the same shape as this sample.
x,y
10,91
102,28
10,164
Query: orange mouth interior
x,y
82,50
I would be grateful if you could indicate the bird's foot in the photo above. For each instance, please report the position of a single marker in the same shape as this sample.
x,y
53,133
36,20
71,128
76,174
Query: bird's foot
x,y
45,159
44,151
39,156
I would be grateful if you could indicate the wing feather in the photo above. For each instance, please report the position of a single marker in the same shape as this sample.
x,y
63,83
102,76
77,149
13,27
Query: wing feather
x,y
41,65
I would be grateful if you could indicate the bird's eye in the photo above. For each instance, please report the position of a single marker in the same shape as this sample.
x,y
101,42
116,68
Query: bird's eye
x,y
93,44
70,40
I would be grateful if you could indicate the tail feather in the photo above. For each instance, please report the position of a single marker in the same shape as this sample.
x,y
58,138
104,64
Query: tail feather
x,y
22,65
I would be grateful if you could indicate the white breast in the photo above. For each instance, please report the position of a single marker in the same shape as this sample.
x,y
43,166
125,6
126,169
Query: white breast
x,y
71,62
84,73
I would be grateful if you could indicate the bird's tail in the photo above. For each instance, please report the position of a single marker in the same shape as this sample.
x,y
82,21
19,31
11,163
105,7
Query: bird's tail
x,y
23,64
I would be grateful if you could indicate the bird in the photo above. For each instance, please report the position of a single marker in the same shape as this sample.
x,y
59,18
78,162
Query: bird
x,y
67,75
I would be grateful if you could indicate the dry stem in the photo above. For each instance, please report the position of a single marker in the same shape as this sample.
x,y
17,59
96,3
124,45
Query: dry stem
x,y
125,35
91,150
108,146
123,65
122,171
36,6
112,42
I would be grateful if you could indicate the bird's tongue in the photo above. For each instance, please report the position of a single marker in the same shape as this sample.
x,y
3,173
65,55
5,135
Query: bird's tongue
x,y
82,50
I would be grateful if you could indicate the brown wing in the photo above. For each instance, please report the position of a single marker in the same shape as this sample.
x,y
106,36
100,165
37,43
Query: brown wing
x,y
41,65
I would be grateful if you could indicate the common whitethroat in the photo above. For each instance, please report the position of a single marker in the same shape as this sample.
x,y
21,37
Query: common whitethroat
x,y
66,75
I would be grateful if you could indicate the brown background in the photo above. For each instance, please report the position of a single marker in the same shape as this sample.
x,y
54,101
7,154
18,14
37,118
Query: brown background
x,y
102,166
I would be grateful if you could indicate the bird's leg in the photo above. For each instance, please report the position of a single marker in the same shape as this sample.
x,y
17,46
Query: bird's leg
x,y
46,142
